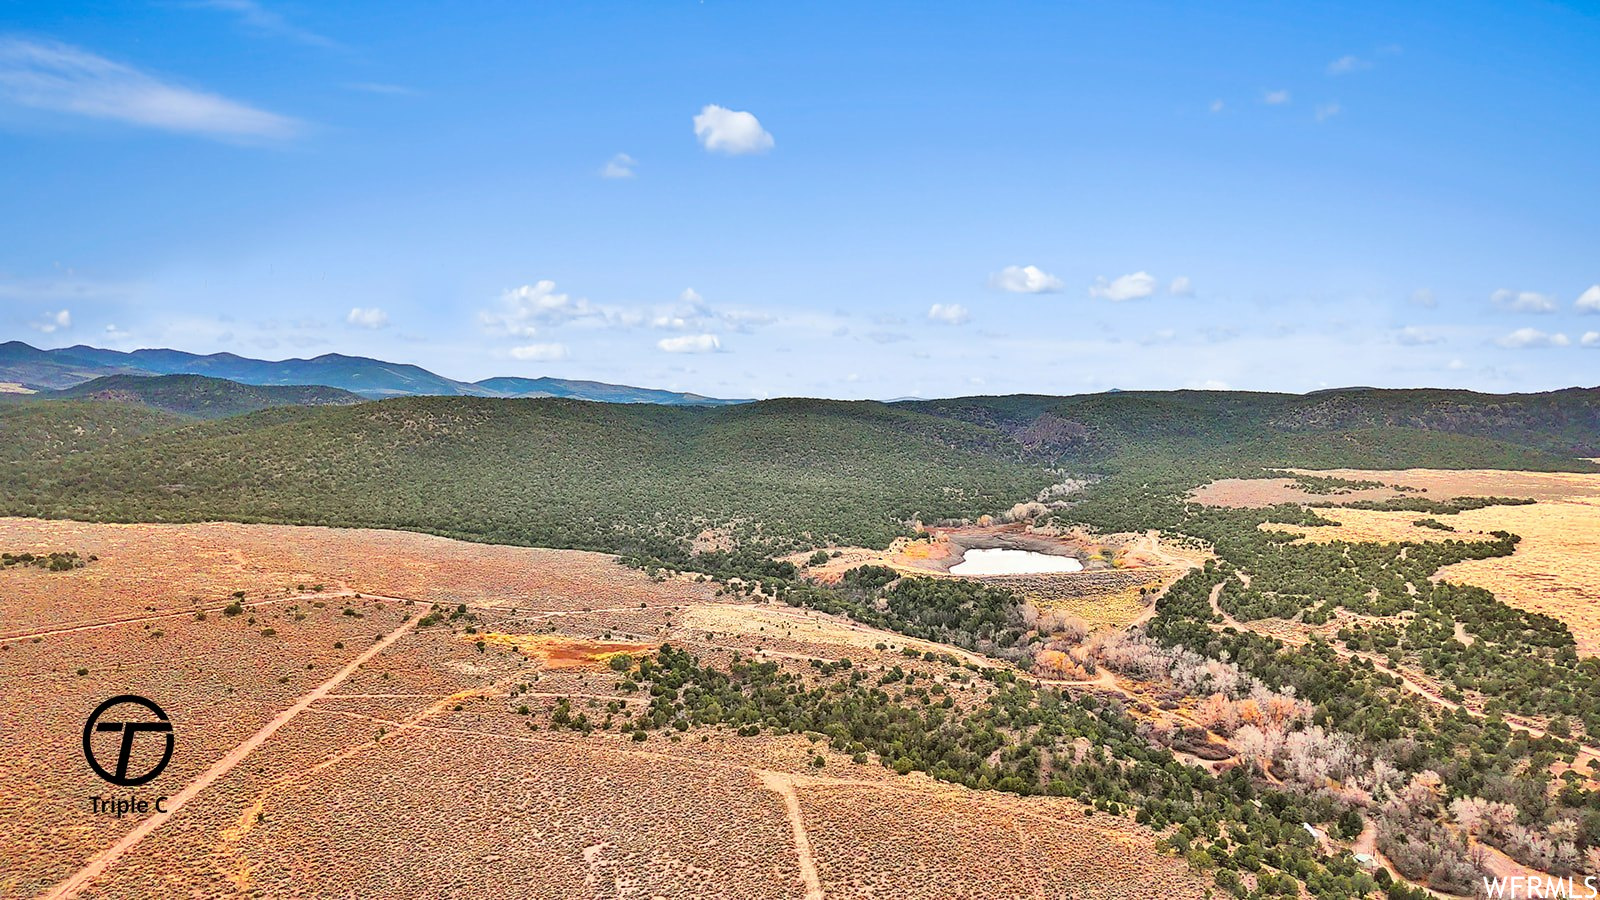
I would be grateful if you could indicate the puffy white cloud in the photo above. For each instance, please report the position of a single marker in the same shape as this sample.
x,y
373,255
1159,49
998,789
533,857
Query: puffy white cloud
x,y
619,166
1275,98
1424,298
734,132
52,322
62,78
540,352
1522,301
693,313
1412,336
1181,287
1532,337
1327,111
367,317
1590,339
1589,300
690,343
530,306
1025,280
949,313
1126,287
1344,65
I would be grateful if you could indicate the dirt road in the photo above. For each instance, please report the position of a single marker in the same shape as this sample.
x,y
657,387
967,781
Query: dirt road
x,y
72,886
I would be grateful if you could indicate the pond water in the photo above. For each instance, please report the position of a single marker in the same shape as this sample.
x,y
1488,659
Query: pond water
x,y
1013,562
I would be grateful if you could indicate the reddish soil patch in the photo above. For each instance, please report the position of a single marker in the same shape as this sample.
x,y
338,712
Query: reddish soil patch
x,y
561,652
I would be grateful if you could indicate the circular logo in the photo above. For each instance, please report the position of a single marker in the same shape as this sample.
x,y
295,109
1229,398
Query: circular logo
x,y
130,730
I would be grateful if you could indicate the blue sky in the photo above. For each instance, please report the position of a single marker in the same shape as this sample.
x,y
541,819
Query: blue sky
x,y
844,200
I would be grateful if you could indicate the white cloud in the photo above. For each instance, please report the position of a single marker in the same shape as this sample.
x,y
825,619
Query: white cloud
x,y
949,313
1327,111
1218,106
1025,280
52,322
734,132
1210,384
1412,336
1424,298
528,310
539,304
1344,65
1532,337
257,18
693,313
1127,287
367,317
1181,287
62,78
540,352
1589,300
690,343
619,166
1275,98
1590,339
1522,301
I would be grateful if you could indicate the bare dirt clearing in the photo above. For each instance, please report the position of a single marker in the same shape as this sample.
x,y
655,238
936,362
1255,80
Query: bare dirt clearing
x,y
330,743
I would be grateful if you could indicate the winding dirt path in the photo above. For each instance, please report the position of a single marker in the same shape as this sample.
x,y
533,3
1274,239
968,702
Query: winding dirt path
x,y
1407,683
76,883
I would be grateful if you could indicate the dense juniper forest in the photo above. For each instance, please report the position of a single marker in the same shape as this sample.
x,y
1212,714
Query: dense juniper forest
x,y
1330,736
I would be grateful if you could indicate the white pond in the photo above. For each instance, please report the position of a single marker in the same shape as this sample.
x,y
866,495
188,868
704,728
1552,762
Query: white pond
x,y
1013,562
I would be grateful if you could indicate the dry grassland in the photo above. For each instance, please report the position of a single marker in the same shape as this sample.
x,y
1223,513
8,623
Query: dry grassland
x,y
1359,526
1556,569
429,770
1259,492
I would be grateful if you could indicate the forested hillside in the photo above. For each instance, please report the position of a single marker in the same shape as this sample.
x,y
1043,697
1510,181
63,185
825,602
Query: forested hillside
x,y
544,472
203,397
648,479
1565,423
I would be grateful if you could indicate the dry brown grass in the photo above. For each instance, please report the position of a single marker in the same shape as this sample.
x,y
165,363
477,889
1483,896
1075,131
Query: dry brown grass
x,y
420,775
1358,526
1258,492
1444,484
1556,569
1035,847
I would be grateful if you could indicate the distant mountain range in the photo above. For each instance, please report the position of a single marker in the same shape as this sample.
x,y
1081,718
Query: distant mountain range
x,y
49,370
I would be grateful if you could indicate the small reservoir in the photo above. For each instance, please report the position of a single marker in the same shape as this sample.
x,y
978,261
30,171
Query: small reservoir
x,y
1013,562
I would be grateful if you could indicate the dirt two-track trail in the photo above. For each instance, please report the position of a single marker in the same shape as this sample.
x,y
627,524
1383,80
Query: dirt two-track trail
x,y
73,885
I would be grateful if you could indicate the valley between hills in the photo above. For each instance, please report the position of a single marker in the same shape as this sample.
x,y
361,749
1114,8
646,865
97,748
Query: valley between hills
x,y
1330,645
